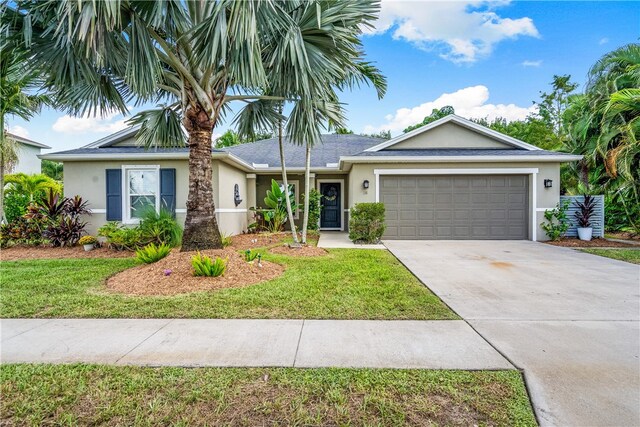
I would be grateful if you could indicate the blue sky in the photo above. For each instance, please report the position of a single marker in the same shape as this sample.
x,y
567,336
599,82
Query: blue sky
x,y
486,58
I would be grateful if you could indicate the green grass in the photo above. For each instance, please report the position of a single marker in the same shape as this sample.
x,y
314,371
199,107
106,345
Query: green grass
x,y
102,395
345,284
628,255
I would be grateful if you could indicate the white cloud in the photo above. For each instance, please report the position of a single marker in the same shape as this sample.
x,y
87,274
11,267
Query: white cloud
x,y
19,130
603,40
463,31
110,123
528,63
470,102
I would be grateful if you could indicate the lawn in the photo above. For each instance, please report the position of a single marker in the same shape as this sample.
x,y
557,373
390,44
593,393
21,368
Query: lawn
x,y
102,395
628,255
345,284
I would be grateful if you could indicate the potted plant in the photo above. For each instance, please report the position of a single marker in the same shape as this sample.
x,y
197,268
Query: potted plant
x,y
583,216
88,242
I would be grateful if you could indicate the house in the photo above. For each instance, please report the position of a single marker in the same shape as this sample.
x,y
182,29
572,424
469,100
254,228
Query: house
x,y
28,152
451,179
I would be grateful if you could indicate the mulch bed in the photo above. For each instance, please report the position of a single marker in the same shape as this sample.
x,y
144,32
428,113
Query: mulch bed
x,y
624,235
260,240
573,242
303,251
16,253
150,279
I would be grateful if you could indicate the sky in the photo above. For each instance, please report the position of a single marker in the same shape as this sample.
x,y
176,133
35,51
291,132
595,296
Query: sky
x,y
485,58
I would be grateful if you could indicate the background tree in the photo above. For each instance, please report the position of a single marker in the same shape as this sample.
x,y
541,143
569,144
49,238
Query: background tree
x,y
52,169
196,58
436,114
18,96
553,104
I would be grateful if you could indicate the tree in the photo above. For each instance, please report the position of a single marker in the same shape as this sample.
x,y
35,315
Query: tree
x,y
383,134
436,114
17,97
196,58
52,169
34,186
227,139
343,131
553,104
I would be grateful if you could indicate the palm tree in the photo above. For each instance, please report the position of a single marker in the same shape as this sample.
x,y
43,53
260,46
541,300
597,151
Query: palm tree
x,y
34,186
17,84
196,57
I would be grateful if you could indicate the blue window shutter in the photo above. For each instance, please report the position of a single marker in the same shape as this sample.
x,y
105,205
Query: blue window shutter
x,y
168,190
114,194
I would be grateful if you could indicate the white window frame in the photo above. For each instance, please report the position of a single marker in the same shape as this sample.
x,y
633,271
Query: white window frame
x,y
342,206
126,199
296,194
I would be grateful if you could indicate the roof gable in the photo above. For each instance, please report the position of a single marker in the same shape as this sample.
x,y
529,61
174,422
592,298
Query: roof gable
x,y
452,132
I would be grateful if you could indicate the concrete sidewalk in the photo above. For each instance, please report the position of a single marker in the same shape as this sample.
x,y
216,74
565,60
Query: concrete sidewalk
x,y
340,239
442,344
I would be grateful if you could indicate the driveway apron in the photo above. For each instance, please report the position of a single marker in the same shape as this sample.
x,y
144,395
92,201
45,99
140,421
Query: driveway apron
x,y
569,319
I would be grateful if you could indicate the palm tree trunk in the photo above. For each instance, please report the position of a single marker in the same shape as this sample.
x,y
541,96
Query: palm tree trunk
x,y
307,173
2,164
200,227
285,182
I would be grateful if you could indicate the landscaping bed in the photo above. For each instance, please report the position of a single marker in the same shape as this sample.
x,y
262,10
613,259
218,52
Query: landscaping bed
x,y
108,395
623,235
573,242
173,274
260,240
302,251
15,253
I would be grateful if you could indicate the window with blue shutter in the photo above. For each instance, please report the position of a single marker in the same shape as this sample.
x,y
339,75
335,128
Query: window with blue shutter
x,y
168,190
114,194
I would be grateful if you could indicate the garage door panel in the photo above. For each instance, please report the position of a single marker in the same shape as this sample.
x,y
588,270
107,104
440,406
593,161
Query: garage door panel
x,y
455,207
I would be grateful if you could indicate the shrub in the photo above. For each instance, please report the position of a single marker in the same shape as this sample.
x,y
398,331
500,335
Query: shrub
x,y
314,209
33,186
160,228
152,253
204,266
87,240
366,222
557,223
15,205
276,216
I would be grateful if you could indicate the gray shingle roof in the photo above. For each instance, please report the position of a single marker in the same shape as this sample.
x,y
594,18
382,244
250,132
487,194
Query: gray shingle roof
x,y
438,152
329,151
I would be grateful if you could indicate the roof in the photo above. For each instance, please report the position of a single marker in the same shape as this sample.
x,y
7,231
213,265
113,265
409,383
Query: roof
x,y
324,155
459,121
26,141
114,138
428,152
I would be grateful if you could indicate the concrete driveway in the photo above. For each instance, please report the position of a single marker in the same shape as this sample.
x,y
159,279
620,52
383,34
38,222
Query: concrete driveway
x,y
569,319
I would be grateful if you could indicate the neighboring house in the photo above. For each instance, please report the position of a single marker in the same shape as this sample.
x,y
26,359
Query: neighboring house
x,y
451,179
28,152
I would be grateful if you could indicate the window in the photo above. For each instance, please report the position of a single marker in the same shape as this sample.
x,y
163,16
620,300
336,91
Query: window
x,y
142,191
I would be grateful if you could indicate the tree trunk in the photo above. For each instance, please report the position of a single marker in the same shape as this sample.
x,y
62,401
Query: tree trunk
x,y
307,172
200,227
285,182
3,136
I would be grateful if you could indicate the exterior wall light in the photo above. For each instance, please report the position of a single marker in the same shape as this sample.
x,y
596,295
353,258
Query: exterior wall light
x,y
236,195
365,184
548,183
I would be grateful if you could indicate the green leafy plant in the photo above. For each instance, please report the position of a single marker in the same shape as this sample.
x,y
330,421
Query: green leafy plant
x,y
366,222
276,216
120,237
226,240
160,228
204,266
15,205
152,253
87,240
556,222
314,209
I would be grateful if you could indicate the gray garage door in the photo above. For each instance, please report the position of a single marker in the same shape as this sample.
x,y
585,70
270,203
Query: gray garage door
x,y
455,206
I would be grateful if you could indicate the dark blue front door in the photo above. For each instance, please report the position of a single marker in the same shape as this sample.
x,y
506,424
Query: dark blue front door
x,y
330,215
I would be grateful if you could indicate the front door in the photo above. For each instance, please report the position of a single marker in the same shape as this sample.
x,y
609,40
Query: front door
x,y
330,214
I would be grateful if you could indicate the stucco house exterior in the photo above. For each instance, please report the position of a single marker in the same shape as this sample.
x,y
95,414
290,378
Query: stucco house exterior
x,y
451,179
28,152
